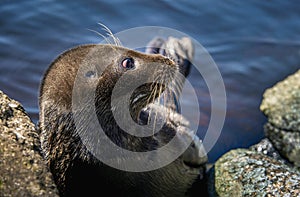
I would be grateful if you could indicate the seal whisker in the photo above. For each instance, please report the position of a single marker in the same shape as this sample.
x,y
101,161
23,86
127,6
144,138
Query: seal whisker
x,y
110,34
159,88
154,123
155,93
176,89
104,37
169,101
177,84
152,94
169,107
109,43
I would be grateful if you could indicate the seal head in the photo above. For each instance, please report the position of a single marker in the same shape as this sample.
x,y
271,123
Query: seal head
x,y
99,68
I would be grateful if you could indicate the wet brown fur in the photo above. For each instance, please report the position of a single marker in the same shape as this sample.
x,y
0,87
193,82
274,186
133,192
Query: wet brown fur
x,y
73,166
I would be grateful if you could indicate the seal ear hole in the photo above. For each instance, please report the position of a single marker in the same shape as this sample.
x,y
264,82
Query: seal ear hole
x,y
128,63
90,74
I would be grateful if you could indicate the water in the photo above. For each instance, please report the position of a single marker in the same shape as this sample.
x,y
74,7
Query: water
x,y
255,44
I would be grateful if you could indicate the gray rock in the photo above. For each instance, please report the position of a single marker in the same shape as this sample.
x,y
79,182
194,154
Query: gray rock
x,y
242,172
281,104
266,147
286,142
23,171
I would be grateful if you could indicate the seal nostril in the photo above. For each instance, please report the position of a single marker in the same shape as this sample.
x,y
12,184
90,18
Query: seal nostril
x,y
193,145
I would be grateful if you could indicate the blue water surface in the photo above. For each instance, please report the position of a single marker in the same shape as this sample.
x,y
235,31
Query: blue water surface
x,y
254,43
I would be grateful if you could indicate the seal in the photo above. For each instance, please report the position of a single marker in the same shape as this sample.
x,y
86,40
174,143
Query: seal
x,y
75,168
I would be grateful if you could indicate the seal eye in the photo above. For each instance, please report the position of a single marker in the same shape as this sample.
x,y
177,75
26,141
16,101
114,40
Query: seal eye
x,y
128,63
90,74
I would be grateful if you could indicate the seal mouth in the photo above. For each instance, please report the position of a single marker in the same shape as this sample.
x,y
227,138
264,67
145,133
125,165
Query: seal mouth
x,y
192,168
143,96
164,92
192,165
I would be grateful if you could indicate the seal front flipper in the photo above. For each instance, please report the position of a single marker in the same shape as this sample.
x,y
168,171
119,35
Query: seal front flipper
x,y
195,155
180,50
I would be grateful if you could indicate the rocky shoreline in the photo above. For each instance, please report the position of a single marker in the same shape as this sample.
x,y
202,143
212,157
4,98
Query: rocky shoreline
x,y
23,171
269,168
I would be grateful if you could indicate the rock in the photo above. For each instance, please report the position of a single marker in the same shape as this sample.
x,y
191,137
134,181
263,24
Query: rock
x,y
243,172
23,171
281,104
271,167
266,147
286,142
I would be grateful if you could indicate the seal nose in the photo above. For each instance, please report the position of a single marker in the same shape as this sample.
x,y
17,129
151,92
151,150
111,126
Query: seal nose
x,y
195,156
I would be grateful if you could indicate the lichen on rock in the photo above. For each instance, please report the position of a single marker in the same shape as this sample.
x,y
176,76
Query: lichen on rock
x,y
23,171
281,105
267,148
286,142
242,172
271,167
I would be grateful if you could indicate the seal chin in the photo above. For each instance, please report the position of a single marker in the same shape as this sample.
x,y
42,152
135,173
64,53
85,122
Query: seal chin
x,y
195,156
